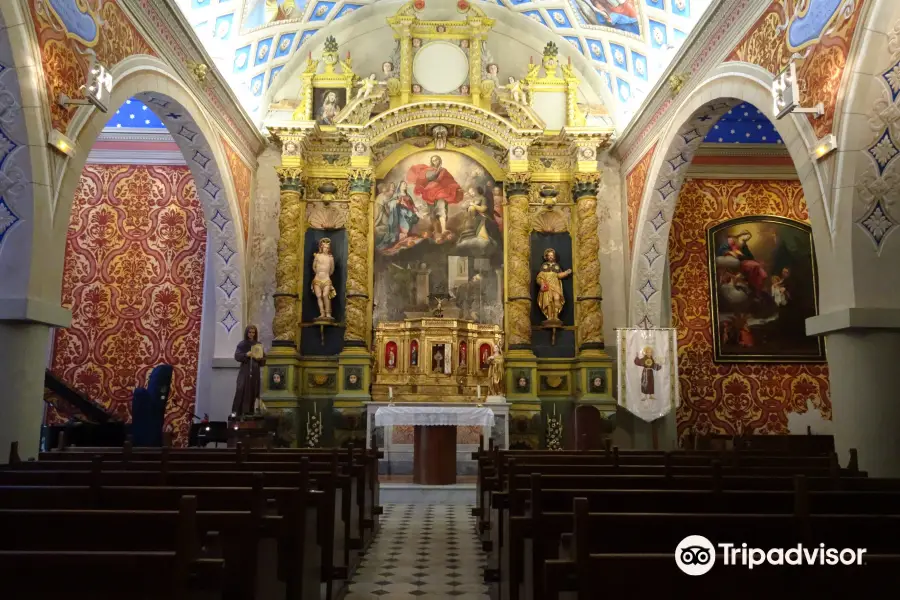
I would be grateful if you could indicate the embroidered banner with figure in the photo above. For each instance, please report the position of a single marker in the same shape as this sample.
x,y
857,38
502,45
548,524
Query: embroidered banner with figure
x,y
648,372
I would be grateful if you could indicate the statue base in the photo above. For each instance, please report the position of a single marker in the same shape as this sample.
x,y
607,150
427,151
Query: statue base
x,y
496,400
554,323
324,320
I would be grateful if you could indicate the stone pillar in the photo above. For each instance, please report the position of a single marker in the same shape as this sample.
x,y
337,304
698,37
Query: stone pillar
x,y
288,271
863,345
359,306
518,272
23,356
588,295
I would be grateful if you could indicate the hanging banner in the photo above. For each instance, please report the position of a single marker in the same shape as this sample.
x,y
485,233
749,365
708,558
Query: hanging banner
x,y
648,372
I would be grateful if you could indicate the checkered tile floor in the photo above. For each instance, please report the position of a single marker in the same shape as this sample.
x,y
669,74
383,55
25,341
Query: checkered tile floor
x,y
422,551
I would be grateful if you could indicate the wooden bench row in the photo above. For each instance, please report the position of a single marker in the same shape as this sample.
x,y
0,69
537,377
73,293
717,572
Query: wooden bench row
x,y
299,522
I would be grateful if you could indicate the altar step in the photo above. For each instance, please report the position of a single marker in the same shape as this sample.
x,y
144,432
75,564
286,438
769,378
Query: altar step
x,y
401,463
413,493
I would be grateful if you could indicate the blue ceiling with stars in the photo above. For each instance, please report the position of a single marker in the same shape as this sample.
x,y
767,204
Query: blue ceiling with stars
x,y
743,124
134,115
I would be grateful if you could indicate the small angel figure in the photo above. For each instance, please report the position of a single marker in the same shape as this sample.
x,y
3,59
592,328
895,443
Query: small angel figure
x,y
516,91
366,86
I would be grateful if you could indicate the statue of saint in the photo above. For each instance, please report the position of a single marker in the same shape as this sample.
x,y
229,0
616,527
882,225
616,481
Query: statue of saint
x,y
550,294
495,372
323,266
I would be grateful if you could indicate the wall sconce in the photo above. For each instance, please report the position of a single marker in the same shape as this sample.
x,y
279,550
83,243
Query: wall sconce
x,y
786,95
97,88
61,143
824,147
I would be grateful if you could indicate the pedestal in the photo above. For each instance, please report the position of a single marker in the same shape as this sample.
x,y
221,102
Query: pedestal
x,y
434,455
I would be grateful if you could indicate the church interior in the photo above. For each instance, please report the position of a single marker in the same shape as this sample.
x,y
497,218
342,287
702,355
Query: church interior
x,y
402,298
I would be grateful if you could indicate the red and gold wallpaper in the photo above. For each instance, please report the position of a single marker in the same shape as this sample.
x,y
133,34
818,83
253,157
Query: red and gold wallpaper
x,y
64,37
241,175
635,182
731,398
133,277
823,42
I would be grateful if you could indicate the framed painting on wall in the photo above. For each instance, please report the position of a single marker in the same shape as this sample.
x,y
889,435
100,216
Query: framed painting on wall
x,y
763,286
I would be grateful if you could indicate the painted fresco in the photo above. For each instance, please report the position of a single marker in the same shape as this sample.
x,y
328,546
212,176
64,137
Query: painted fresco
x,y
731,398
438,230
817,31
133,278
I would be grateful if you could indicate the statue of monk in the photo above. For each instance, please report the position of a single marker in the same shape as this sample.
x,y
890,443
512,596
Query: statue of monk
x,y
550,295
495,372
323,267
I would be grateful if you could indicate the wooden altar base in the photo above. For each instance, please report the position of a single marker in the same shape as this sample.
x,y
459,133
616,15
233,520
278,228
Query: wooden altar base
x,y
434,455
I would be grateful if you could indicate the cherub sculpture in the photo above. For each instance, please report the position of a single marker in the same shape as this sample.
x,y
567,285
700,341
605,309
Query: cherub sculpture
x,y
516,90
366,86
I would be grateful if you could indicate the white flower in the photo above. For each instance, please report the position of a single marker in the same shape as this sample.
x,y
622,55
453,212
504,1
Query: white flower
x,y
893,77
6,218
877,223
883,151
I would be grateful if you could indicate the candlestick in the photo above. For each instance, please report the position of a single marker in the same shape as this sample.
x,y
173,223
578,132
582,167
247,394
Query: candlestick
x,y
479,392
391,393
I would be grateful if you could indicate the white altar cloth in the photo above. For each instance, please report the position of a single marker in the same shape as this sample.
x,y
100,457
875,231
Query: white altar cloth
x,y
434,415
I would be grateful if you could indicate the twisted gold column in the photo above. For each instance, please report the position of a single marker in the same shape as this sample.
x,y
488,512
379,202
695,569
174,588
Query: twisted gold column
x,y
288,271
590,314
358,296
518,299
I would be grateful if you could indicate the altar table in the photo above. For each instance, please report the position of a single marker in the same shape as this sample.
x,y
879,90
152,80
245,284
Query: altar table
x,y
434,454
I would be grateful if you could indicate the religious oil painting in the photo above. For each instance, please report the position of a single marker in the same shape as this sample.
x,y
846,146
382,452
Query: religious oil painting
x,y
763,287
439,237
327,104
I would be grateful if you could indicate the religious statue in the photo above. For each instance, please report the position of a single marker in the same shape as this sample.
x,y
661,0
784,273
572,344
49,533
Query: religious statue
x,y
550,295
495,372
366,86
648,366
516,91
250,354
323,266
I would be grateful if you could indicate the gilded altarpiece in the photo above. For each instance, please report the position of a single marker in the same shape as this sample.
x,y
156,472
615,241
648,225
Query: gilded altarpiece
x,y
431,195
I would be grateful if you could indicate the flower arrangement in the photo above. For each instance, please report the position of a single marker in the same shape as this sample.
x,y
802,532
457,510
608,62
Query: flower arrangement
x,y
313,428
554,431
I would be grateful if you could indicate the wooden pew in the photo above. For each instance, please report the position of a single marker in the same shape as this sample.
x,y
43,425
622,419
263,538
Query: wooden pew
x,y
164,563
361,466
332,534
666,476
524,550
286,551
492,466
644,574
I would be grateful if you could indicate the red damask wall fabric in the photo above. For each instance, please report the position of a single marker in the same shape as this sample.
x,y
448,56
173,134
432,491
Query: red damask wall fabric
x,y
133,277
731,398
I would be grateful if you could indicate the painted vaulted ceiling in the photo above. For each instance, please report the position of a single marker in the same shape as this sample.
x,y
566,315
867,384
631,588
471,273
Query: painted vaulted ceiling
x,y
629,42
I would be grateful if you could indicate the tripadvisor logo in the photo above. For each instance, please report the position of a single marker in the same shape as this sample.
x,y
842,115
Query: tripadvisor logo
x,y
696,555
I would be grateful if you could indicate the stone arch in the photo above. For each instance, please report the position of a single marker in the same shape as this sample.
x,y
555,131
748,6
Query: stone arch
x,y
867,172
435,111
725,87
156,85
25,181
